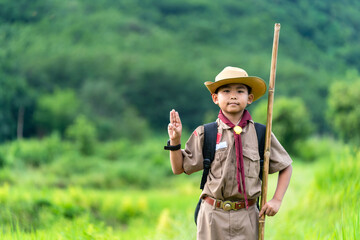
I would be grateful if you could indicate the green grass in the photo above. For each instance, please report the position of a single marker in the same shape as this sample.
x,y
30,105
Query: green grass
x,y
321,202
70,213
168,213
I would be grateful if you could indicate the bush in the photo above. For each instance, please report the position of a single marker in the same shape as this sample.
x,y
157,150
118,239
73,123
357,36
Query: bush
x,y
343,112
83,133
291,121
2,160
33,152
56,111
114,150
315,148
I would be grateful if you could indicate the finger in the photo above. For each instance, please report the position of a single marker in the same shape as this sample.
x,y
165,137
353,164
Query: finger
x,y
172,116
262,210
171,131
269,212
177,117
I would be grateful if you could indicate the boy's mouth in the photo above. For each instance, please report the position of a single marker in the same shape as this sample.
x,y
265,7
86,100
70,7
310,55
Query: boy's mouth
x,y
233,103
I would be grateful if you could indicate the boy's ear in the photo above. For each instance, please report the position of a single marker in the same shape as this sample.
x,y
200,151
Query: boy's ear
x,y
250,98
215,98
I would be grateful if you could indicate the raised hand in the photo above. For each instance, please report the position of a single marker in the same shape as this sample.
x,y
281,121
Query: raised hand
x,y
174,127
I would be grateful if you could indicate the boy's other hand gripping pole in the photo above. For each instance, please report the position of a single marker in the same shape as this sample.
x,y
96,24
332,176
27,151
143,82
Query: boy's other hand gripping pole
x,y
268,128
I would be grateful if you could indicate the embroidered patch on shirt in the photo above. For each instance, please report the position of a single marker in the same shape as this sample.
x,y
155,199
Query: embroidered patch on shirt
x,y
221,145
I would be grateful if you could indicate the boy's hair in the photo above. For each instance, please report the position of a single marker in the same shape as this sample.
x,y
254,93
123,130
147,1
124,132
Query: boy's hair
x,y
248,88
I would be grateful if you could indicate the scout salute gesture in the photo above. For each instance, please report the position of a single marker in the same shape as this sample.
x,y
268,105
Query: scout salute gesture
x,y
174,130
228,209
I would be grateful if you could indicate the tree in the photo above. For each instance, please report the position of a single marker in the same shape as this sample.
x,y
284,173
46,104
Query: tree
x,y
16,101
343,112
56,111
155,55
291,121
84,134
113,116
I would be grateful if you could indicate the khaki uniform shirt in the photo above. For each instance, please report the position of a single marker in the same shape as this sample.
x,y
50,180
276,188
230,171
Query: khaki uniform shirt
x,y
221,182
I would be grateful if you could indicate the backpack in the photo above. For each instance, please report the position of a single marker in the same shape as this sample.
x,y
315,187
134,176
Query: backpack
x,y
210,134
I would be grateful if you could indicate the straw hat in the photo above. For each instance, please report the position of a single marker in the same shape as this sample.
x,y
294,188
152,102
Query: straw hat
x,y
237,75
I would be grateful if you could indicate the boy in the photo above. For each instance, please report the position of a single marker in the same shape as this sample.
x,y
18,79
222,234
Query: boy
x,y
234,174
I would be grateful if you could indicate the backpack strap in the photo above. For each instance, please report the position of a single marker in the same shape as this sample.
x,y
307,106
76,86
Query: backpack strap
x,y
260,132
210,134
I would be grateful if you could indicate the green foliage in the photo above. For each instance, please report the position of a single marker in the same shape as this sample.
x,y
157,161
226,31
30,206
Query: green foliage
x,y
127,63
343,112
127,190
24,11
132,126
114,150
315,148
2,160
291,121
111,165
96,214
333,182
32,152
337,185
84,134
55,112
14,94
113,116
138,59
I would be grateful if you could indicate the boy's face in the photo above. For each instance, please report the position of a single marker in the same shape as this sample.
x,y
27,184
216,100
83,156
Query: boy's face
x,y
232,98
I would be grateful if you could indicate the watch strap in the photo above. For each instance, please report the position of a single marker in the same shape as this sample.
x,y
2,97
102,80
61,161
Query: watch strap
x,y
172,148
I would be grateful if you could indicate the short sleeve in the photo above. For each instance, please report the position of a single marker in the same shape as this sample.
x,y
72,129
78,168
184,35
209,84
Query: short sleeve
x,y
279,158
193,157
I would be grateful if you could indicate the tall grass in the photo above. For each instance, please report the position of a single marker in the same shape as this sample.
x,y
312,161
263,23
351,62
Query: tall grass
x,y
321,202
326,207
92,214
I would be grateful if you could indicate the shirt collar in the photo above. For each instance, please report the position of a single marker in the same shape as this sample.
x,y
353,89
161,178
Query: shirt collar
x,y
225,126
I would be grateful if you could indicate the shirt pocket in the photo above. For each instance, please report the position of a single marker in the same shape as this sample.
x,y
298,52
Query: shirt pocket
x,y
252,163
217,165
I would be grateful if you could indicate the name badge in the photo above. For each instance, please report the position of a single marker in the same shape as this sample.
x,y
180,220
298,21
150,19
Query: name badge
x,y
221,145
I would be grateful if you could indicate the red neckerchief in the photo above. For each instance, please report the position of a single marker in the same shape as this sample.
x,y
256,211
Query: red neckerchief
x,y
238,147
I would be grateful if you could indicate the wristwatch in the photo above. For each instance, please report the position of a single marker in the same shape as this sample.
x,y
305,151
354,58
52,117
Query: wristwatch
x,y
172,148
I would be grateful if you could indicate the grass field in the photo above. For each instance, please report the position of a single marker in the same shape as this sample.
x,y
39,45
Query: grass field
x,y
321,203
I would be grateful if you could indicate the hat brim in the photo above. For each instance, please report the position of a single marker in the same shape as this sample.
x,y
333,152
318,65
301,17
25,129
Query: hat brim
x,y
258,86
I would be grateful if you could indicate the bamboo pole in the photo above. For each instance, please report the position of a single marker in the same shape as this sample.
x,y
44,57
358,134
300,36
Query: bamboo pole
x,y
268,128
